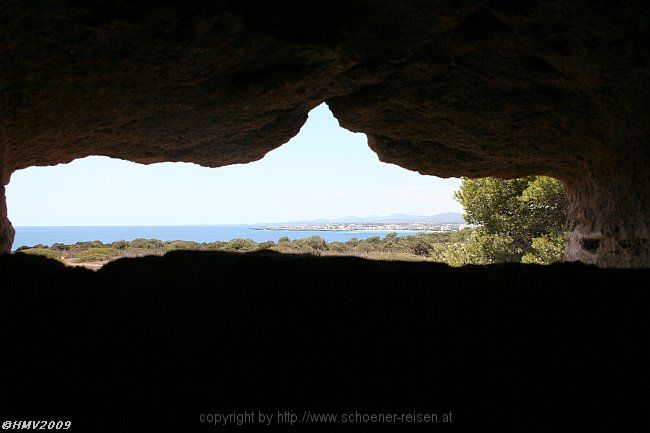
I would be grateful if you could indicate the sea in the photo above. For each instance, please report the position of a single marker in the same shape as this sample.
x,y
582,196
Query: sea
x,y
30,236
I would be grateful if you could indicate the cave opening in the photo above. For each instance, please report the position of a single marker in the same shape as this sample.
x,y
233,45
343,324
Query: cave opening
x,y
499,89
324,186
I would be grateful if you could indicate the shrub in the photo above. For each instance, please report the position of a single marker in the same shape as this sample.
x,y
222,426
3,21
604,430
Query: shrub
x,y
421,248
391,235
316,242
120,245
266,245
44,252
147,244
480,249
353,242
363,248
214,246
88,244
240,245
96,255
338,247
182,245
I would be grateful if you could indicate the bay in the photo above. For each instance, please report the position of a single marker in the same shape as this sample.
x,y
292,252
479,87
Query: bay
x,y
30,236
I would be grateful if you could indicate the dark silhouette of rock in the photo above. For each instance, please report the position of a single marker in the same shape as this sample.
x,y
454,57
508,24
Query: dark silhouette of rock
x,y
477,88
151,343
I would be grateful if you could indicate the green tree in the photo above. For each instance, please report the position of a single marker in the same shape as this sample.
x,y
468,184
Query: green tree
x,y
510,215
545,249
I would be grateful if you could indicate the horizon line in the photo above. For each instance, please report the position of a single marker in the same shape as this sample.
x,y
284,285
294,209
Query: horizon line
x,y
234,224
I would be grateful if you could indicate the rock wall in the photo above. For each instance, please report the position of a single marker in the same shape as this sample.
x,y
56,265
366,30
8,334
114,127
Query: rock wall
x,y
608,216
475,88
148,344
6,229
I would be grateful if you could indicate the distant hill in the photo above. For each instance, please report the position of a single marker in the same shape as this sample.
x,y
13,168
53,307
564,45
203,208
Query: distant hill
x,y
447,217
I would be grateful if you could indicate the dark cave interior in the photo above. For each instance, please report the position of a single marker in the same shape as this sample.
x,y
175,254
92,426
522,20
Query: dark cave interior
x,y
475,88
151,343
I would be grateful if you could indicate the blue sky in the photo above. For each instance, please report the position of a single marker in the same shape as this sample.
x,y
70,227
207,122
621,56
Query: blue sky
x,y
323,172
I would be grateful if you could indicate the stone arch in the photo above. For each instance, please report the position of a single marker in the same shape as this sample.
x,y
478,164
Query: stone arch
x,y
477,89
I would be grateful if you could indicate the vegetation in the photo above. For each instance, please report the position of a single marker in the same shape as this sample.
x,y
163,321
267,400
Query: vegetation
x,y
517,220
45,252
390,247
511,220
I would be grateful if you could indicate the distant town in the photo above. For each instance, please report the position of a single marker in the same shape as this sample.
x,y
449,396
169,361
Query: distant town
x,y
410,226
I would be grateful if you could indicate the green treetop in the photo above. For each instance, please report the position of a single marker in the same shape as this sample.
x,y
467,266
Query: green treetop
x,y
512,213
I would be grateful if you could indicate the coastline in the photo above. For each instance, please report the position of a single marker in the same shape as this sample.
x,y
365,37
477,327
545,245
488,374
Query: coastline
x,y
31,236
286,229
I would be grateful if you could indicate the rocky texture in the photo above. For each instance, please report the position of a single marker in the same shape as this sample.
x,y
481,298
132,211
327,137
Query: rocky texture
x,y
149,344
6,229
474,88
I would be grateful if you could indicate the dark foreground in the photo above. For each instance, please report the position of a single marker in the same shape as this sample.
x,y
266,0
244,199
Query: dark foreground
x,y
153,343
